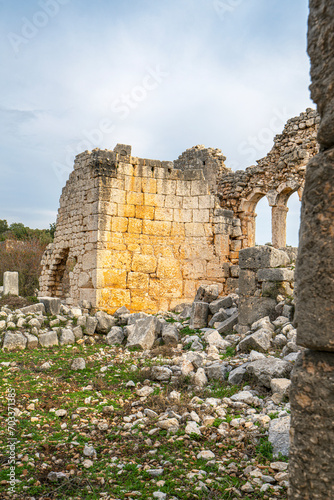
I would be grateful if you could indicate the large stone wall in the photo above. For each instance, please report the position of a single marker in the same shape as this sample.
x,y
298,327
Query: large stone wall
x,y
137,232
312,390
146,234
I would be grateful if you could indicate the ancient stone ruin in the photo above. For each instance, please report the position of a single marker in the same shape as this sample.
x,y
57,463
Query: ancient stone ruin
x,y
146,234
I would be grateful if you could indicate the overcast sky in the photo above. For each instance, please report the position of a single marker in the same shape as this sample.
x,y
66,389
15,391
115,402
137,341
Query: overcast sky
x,y
161,75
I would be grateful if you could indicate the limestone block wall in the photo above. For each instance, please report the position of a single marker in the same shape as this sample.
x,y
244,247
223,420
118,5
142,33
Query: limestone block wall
x,y
264,276
137,232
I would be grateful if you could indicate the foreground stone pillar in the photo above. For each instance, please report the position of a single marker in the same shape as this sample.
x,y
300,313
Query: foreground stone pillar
x,y
278,226
10,283
312,389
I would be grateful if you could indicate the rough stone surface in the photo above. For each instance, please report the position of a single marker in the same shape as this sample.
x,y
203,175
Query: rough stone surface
x,y
48,339
314,270
199,315
170,335
104,322
66,336
264,370
207,293
262,257
78,364
258,341
279,436
14,341
10,283
312,442
221,303
145,333
51,304
115,336
227,325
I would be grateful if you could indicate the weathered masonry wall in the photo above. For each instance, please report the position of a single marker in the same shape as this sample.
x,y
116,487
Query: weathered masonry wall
x,y
146,234
140,233
277,176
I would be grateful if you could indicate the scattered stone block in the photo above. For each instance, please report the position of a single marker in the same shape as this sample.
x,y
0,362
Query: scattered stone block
x,y
261,257
115,336
227,325
48,339
207,293
145,333
264,370
10,283
51,305
13,341
199,315
279,436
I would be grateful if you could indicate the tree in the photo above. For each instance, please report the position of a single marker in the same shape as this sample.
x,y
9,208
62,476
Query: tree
x,y
3,226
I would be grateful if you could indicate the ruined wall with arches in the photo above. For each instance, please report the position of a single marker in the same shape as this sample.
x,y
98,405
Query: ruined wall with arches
x,y
146,234
277,176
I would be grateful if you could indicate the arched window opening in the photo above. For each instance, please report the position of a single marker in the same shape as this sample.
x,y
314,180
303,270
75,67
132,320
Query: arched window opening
x,y
293,220
263,222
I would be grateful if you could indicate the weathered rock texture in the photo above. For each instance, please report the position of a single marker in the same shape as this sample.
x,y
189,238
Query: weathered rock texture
x,y
312,388
261,279
312,435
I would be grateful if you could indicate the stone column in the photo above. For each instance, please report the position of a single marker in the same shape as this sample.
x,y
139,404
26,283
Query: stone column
x,y
248,224
278,225
312,389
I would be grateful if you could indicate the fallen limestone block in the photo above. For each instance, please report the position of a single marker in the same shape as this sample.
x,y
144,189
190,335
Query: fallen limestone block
x,y
257,341
215,339
264,370
237,376
32,340
10,283
34,308
48,339
115,336
161,373
13,341
262,257
218,317
279,436
207,293
199,315
51,304
104,322
280,388
246,397
144,333
216,371
170,334
66,337
227,325
221,303
91,324
200,379
78,364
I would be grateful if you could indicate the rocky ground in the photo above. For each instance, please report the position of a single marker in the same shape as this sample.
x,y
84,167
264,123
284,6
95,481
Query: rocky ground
x,y
145,406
